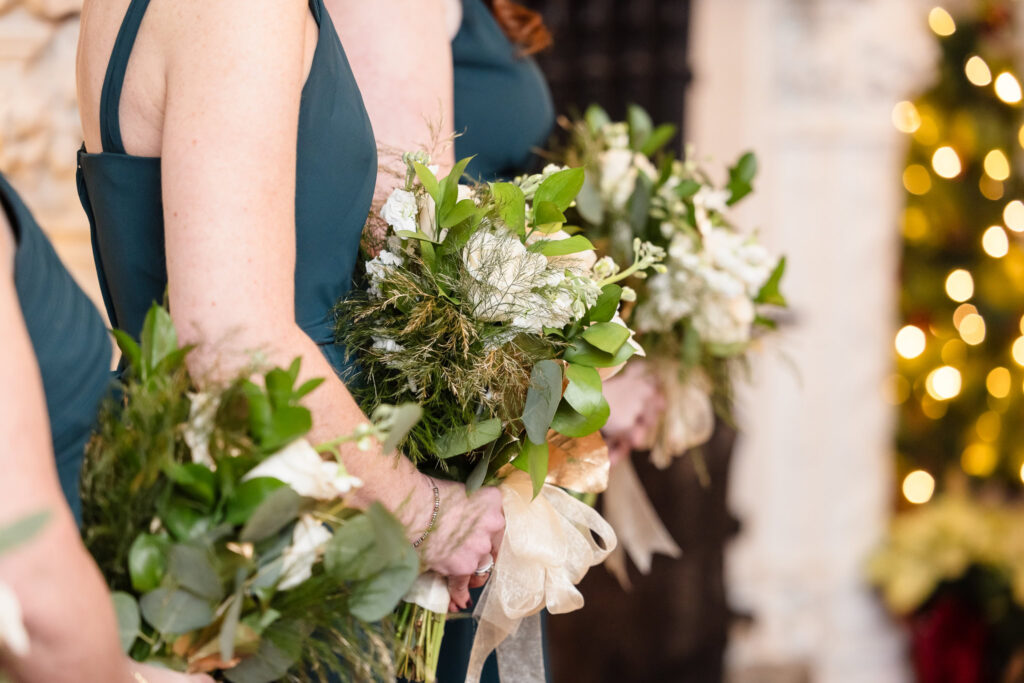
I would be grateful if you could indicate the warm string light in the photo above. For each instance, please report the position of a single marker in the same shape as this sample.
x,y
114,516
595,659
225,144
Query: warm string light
x,y
910,342
906,117
977,71
941,22
996,165
1008,88
917,180
946,162
998,382
944,383
960,285
1013,215
918,487
995,242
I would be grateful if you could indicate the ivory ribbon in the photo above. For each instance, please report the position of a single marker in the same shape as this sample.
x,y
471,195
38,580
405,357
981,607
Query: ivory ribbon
x,y
636,522
549,545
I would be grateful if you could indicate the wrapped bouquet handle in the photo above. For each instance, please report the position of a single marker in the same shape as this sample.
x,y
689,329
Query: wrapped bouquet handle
x,y
550,543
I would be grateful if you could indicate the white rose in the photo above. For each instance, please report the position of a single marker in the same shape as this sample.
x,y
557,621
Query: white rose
x,y
618,177
201,415
13,635
722,320
299,466
400,210
308,539
430,591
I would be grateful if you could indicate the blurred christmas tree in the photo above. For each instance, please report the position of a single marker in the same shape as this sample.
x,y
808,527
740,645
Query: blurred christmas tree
x,y
960,380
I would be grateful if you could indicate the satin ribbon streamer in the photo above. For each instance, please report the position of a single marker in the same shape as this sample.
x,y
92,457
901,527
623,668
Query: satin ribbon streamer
x,y
550,542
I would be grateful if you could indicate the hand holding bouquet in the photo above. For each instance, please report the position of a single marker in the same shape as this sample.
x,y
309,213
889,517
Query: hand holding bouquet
x,y
225,534
487,311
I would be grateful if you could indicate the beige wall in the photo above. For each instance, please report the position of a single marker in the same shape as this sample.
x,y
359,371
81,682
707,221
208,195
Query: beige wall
x,y
39,129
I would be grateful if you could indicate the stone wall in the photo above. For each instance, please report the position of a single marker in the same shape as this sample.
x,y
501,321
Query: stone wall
x,y
39,127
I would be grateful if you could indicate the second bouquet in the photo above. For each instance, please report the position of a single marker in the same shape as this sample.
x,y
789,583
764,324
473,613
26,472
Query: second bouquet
x,y
484,309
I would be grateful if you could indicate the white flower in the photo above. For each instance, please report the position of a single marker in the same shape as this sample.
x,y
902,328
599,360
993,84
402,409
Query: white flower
x,y
721,320
13,635
400,210
428,213
605,267
504,272
377,267
580,261
387,344
618,177
616,134
308,539
430,591
691,420
201,415
299,466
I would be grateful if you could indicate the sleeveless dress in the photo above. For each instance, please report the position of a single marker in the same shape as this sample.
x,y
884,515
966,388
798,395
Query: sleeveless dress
x,y
503,110
336,172
68,337
503,106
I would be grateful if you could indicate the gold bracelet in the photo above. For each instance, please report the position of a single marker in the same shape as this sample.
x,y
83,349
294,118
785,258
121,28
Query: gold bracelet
x,y
433,516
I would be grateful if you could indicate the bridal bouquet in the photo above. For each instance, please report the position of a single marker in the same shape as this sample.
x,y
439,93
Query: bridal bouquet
x,y
225,535
13,636
484,309
695,318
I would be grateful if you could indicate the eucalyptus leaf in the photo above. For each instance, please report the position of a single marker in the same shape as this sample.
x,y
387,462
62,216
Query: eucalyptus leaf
x,y
640,126
589,203
175,611
533,459
270,663
374,599
192,568
229,627
584,353
129,621
248,496
23,530
403,418
596,117
542,399
466,438
478,475
279,509
638,207
184,521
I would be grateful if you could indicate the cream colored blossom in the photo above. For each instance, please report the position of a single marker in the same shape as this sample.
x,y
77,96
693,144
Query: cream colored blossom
x,y
308,539
299,466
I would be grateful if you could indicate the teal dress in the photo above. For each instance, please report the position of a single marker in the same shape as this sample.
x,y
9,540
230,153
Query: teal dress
x,y
68,337
503,106
336,172
503,110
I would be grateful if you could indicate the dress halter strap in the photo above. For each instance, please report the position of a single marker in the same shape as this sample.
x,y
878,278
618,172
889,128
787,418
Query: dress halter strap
x,y
113,82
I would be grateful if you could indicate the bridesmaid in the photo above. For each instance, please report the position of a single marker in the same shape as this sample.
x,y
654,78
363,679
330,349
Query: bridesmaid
x,y
438,61
55,371
228,160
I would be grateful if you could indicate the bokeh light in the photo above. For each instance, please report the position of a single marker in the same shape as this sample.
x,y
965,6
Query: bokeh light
x,y
972,329
989,426
944,383
994,242
977,71
998,382
941,22
917,179
997,166
1013,215
918,487
906,117
910,341
960,285
1008,88
979,459
946,162
1017,351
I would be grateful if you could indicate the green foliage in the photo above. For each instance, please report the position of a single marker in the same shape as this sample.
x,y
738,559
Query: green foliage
x,y
23,530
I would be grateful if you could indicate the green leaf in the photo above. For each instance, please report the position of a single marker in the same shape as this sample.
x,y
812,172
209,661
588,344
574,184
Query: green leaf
x,y
279,509
129,621
287,423
609,337
639,205
270,663
570,245
403,418
547,217
640,126
175,611
542,399
23,530
196,480
687,188
589,203
584,392
458,213
561,188
466,438
572,424
478,475
159,337
607,304
229,627
129,349
534,459
770,292
596,117
415,235
450,186
191,568
660,137
585,353
428,180
147,561
308,387
511,205
741,177
692,348
248,496
349,556
184,521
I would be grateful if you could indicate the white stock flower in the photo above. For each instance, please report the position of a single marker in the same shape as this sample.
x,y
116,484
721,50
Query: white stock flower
x,y
725,320
605,267
618,177
387,344
13,635
299,466
376,269
308,539
616,134
201,415
400,210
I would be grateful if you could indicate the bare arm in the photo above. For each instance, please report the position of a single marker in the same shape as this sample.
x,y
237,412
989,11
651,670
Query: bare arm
x,y
67,610
229,158
400,52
